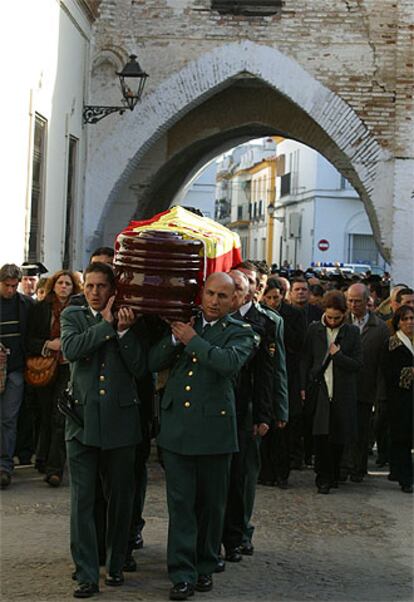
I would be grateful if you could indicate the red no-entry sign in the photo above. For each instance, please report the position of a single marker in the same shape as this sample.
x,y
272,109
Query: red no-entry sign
x,y
323,244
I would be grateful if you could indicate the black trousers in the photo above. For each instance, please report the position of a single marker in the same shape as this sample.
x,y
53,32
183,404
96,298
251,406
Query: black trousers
x,y
275,455
355,456
382,432
327,460
401,461
235,506
51,442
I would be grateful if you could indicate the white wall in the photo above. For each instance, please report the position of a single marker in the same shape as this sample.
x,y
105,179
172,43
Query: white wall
x,y
45,71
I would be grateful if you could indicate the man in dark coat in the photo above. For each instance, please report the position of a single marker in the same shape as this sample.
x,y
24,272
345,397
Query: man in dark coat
x,y
106,359
14,309
198,433
374,334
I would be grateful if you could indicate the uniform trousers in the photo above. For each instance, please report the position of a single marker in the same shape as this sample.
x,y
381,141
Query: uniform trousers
x,y
115,468
197,489
253,464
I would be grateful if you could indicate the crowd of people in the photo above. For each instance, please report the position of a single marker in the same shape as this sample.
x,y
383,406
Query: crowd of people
x,y
276,372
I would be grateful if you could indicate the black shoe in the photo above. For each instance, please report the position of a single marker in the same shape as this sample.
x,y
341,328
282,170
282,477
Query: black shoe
x,y
282,484
5,479
233,555
308,462
54,480
334,484
323,489
355,478
86,590
392,477
139,541
220,566
40,466
407,488
130,565
296,465
181,591
114,579
247,549
25,461
204,583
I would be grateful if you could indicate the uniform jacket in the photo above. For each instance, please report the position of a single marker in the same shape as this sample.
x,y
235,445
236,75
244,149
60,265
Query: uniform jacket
x,y
254,388
198,414
103,372
337,418
280,391
371,386
397,364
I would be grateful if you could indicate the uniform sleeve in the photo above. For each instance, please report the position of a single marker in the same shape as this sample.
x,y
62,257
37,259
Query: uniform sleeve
x,y
78,342
163,354
226,360
263,370
281,388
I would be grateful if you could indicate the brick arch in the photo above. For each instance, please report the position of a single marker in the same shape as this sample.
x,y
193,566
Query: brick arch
x,y
352,149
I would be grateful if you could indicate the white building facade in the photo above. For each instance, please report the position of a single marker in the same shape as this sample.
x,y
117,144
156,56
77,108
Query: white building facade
x,y
318,215
43,170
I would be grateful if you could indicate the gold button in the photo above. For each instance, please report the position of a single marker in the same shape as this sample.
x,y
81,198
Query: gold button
x,y
190,373
76,401
102,391
223,412
194,360
107,337
187,404
188,388
102,365
101,378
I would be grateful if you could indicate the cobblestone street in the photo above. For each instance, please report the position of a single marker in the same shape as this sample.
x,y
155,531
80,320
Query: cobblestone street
x,y
354,544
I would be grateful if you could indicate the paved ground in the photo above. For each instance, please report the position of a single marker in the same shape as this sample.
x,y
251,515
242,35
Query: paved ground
x,y
354,544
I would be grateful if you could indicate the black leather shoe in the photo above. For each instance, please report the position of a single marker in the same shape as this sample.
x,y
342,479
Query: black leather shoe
x,y
181,591
247,549
233,555
392,477
355,478
5,479
323,489
282,483
86,590
204,583
114,579
220,566
130,565
407,488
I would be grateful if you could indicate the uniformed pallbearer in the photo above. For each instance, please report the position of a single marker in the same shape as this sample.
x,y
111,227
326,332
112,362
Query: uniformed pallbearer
x,y
105,361
198,431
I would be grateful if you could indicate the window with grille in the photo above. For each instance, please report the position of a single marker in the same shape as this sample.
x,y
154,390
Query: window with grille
x,y
37,191
285,184
253,8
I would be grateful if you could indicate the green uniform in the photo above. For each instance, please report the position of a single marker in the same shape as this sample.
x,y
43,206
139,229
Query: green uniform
x,y
198,435
103,371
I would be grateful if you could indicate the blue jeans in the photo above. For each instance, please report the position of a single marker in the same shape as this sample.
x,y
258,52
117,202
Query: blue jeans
x,y
10,402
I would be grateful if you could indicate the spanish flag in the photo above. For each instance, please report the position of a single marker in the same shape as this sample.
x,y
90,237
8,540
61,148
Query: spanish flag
x,y
221,246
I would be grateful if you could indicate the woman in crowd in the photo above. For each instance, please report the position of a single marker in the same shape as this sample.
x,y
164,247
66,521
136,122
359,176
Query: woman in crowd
x,y
43,338
331,393
399,375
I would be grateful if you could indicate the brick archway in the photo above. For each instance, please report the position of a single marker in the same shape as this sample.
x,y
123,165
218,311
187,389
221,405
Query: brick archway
x,y
328,124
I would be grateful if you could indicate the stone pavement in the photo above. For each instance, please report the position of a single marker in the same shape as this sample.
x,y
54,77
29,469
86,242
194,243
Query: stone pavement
x,y
354,544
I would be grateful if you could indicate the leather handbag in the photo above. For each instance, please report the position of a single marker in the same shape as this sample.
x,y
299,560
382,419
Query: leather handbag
x,y
40,371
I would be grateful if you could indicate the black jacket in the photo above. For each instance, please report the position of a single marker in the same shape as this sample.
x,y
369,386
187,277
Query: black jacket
x,y
39,322
294,337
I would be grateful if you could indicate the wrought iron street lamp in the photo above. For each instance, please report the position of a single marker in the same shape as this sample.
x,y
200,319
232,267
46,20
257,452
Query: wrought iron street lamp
x,y
271,208
132,79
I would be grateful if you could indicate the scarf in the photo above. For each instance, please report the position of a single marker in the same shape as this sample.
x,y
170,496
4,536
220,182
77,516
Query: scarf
x,y
57,308
405,340
331,334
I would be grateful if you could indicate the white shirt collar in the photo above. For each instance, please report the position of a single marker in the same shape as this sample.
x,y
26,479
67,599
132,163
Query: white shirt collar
x,y
360,322
205,321
94,312
245,308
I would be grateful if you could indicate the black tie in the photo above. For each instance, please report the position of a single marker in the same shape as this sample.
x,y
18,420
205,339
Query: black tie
x,y
206,327
99,317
